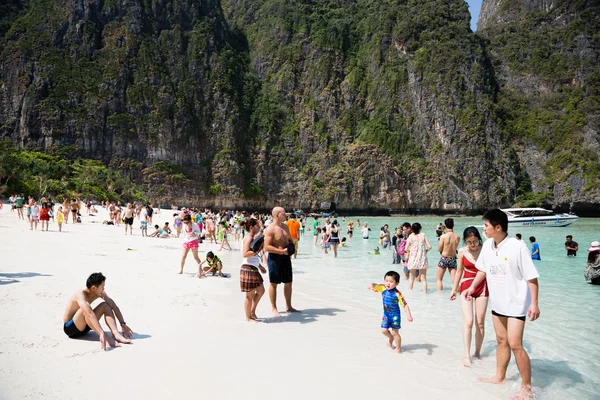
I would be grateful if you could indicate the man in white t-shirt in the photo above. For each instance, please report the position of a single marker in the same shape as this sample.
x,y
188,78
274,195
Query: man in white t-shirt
x,y
511,277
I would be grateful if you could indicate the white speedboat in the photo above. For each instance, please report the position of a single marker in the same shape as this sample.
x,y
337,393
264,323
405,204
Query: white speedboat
x,y
538,217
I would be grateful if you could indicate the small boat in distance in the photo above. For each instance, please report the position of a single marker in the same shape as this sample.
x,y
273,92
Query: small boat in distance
x,y
538,217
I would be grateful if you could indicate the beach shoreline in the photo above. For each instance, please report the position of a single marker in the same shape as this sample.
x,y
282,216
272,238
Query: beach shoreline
x,y
191,335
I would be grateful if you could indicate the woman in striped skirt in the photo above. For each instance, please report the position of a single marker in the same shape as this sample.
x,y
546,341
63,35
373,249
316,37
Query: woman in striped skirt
x,y
251,281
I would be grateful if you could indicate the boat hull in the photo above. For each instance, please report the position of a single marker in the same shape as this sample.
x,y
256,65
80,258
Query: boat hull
x,y
555,222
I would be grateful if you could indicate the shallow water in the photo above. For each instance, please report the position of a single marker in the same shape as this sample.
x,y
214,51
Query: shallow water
x,y
563,344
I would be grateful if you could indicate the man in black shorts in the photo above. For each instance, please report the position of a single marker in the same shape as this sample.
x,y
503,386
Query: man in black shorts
x,y
128,218
80,318
279,246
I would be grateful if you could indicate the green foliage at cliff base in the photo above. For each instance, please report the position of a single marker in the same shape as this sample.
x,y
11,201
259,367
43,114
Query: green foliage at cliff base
x,y
53,175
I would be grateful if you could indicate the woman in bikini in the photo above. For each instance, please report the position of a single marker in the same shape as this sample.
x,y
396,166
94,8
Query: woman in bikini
x,y
467,258
334,237
223,230
66,209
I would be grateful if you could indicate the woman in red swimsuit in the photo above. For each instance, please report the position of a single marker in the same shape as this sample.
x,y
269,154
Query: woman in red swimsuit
x,y
467,258
44,215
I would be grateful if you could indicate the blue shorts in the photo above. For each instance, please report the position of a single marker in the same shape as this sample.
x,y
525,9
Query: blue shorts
x,y
144,225
390,320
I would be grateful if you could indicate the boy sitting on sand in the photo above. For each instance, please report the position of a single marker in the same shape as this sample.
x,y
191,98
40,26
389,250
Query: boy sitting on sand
x,y
79,318
214,265
392,298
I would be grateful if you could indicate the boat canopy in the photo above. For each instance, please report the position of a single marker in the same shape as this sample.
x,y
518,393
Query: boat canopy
x,y
527,212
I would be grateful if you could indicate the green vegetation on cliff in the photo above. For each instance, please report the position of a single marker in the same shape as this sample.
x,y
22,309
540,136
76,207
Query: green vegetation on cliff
x,y
60,174
392,103
547,62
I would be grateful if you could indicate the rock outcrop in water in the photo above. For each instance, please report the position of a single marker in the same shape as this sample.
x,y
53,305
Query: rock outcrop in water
x,y
370,105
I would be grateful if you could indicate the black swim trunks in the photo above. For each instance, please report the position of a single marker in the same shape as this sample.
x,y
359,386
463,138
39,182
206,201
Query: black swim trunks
x,y
280,268
71,329
129,221
507,316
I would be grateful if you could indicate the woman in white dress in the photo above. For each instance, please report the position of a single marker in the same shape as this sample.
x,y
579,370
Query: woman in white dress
x,y
416,250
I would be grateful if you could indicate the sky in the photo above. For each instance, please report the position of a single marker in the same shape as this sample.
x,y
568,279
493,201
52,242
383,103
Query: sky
x,y
474,7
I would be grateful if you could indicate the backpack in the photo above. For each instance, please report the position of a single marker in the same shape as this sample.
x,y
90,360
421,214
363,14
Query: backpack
x,y
402,246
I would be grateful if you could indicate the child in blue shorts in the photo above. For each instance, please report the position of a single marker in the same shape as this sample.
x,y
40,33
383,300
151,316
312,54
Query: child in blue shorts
x,y
392,299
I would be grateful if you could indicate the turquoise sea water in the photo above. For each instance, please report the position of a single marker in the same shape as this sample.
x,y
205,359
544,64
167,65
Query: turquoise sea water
x,y
563,344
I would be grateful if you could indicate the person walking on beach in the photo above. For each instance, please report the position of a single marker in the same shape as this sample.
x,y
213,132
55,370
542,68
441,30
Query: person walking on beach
x,y
392,300
506,265
279,248
80,318
60,218
251,280
294,228
334,237
191,233
223,230
19,205
325,239
44,216
34,217
74,205
128,218
467,258
210,229
415,253
447,246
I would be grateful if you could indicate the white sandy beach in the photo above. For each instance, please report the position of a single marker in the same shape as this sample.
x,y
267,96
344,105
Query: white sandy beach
x,y
191,336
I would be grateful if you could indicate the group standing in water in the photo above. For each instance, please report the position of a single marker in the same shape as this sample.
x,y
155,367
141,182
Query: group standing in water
x,y
500,270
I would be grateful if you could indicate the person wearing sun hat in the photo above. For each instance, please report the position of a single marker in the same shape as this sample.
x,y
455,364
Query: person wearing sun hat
x,y
592,269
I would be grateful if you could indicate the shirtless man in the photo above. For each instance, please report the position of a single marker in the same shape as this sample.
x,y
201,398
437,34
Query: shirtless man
x,y
447,246
277,244
128,217
79,318
74,209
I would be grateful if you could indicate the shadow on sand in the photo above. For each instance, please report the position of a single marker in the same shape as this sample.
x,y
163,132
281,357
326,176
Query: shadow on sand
x,y
10,277
552,372
93,336
411,348
304,316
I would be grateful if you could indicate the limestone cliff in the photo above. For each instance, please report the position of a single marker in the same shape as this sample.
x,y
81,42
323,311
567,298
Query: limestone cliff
x,y
248,103
546,58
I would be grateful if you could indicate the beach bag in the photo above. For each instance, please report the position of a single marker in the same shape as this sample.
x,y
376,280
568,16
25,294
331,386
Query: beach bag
x,y
592,271
257,244
402,246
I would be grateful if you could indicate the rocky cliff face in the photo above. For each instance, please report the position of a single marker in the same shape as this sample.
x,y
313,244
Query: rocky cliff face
x,y
546,59
262,102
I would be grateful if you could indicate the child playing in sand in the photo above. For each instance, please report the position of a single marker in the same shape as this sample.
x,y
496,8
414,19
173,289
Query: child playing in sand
x,y
376,251
159,233
214,265
392,298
